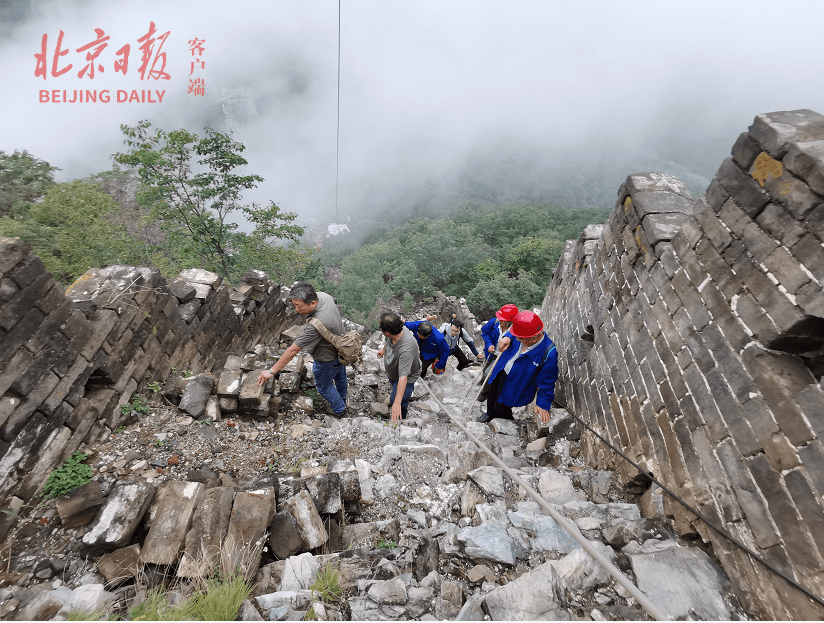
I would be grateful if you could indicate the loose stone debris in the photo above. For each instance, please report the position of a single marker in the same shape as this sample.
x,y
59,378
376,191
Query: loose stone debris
x,y
419,522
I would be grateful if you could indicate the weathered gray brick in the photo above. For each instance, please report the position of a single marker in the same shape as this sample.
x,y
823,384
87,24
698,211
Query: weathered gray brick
x,y
780,225
718,270
760,417
815,222
755,318
811,401
692,416
651,385
27,271
676,465
774,302
51,300
674,377
716,195
688,293
785,268
811,299
806,160
733,252
688,260
812,456
783,512
807,503
662,282
791,192
758,519
758,244
23,301
743,188
23,413
21,333
736,423
722,315
809,252
780,378
691,461
745,151
734,217
717,479
776,131
705,403
49,327
728,362
12,250
668,258
670,401
713,229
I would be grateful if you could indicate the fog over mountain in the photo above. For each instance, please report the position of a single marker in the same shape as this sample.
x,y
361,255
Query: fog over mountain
x,y
440,101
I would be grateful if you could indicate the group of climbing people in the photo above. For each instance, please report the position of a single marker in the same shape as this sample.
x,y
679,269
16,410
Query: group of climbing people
x,y
522,357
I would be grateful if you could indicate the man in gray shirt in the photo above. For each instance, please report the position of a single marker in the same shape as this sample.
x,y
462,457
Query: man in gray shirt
x,y
330,375
402,362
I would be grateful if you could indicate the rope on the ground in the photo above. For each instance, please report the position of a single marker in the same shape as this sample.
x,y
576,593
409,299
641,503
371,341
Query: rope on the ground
x,y
639,596
710,524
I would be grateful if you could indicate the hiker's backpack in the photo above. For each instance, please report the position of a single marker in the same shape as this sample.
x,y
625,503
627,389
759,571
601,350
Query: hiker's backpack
x,y
348,345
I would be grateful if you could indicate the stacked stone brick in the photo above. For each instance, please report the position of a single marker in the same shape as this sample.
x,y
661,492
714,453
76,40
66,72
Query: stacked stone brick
x,y
70,358
691,336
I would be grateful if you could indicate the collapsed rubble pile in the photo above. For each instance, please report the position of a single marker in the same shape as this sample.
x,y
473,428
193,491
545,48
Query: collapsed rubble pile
x,y
417,520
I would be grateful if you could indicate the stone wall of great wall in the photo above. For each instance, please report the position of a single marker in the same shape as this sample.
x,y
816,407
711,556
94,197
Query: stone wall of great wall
x,y
70,358
691,337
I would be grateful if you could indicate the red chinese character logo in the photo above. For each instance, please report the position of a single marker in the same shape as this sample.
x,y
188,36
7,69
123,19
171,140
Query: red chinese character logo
x,y
196,46
197,64
122,64
197,86
148,41
99,45
42,64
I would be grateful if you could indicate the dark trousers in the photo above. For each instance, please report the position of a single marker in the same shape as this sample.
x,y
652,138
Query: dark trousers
x,y
407,394
461,357
493,407
425,363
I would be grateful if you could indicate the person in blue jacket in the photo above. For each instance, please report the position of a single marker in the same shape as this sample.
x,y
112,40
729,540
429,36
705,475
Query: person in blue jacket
x,y
496,327
433,346
523,370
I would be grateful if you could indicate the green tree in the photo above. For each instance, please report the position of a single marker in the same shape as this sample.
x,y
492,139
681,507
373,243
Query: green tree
x,y
488,296
194,209
23,179
362,282
70,232
538,256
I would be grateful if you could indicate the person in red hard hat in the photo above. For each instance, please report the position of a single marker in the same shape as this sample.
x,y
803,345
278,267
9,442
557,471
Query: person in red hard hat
x,y
523,371
497,326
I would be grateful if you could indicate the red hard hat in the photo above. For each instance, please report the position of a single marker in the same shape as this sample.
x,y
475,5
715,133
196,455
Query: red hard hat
x,y
507,313
526,324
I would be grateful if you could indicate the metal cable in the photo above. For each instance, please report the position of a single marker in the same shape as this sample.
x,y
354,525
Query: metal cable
x,y
639,596
337,131
720,531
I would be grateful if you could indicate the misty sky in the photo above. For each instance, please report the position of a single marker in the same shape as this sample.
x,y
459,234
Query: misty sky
x,y
440,101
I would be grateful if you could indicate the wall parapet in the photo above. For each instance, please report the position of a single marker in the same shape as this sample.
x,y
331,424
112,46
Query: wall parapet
x,y
691,336
70,358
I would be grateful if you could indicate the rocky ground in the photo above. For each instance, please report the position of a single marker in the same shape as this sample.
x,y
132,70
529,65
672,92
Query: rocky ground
x,y
418,521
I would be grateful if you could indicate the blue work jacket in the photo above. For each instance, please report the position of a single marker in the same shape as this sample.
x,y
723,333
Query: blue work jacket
x,y
434,346
528,375
491,332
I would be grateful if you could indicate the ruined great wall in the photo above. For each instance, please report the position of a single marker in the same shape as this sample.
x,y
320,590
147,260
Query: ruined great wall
x,y
691,336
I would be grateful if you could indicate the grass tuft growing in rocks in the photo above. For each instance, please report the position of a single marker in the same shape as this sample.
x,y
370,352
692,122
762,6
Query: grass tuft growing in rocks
x,y
326,585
